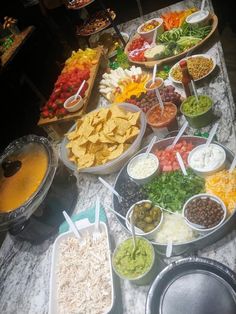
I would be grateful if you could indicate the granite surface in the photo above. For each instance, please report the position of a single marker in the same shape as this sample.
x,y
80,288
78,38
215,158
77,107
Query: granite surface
x,y
25,268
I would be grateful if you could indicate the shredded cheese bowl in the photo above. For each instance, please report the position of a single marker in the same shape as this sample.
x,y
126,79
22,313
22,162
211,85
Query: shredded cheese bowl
x,y
81,274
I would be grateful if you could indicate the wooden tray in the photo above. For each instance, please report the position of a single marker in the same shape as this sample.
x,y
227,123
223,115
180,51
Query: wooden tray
x,y
150,64
77,114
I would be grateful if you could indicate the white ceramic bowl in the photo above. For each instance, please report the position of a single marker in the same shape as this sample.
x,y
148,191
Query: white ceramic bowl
x,y
148,36
149,235
75,107
205,173
146,277
198,55
199,18
204,195
147,178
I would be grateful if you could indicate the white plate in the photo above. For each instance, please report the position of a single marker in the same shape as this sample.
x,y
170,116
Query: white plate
x,y
89,228
198,55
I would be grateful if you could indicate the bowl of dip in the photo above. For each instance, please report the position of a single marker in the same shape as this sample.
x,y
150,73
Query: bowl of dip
x,y
162,123
72,104
204,212
206,161
138,267
198,113
148,218
158,83
148,29
199,18
142,169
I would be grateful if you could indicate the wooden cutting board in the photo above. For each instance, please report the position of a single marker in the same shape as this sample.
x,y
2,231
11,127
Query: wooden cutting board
x,y
75,115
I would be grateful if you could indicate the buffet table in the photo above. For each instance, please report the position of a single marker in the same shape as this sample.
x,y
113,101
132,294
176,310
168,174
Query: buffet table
x,y
25,268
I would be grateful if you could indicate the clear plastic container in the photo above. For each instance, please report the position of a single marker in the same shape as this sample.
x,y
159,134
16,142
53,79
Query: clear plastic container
x,y
113,165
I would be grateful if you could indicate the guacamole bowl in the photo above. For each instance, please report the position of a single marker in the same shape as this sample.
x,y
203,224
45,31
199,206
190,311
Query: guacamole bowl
x,y
198,113
136,266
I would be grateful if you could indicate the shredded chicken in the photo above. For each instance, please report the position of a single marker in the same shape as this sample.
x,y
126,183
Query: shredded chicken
x,y
83,276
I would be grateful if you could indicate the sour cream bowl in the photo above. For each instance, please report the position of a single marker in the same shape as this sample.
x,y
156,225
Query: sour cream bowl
x,y
142,169
199,18
207,161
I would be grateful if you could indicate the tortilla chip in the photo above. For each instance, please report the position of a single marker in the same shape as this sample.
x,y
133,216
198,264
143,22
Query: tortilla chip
x,y
101,136
116,152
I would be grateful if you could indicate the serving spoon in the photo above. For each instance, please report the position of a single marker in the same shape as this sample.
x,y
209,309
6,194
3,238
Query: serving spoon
x,y
203,5
232,166
150,145
178,136
181,164
80,89
107,185
211,135
133,235
72,226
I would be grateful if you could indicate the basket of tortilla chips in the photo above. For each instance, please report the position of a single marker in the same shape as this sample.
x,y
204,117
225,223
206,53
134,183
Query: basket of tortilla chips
x,y
103,140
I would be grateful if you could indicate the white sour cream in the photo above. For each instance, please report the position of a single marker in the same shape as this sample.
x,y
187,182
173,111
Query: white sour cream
x,y
197,17
207,158
142,167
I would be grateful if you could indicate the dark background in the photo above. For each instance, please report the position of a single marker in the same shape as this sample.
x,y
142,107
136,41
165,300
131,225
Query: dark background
x,y
42,56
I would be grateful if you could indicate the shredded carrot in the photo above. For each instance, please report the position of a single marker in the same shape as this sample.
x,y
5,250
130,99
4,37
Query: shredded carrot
x,y
175,19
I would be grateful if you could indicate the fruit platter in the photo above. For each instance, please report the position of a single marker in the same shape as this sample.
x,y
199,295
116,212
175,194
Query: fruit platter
x,y
82,65
176,34
166,202
95,23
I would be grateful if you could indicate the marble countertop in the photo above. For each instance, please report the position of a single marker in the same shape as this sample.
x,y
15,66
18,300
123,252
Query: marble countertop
x,y
25,268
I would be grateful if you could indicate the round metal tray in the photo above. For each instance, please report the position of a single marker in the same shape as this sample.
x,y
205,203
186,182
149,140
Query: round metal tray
x,y
201,241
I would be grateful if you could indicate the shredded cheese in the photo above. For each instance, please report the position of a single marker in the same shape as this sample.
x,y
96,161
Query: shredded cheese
x,y
223,185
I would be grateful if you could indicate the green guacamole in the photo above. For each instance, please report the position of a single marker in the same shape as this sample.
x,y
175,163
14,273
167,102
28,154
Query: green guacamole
x,y
192,107
134,266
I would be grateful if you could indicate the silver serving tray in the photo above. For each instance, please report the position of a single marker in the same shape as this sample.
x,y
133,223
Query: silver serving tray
x,y
201,241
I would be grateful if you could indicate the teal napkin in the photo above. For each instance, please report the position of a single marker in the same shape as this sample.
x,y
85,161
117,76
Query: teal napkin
x,y
88,213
